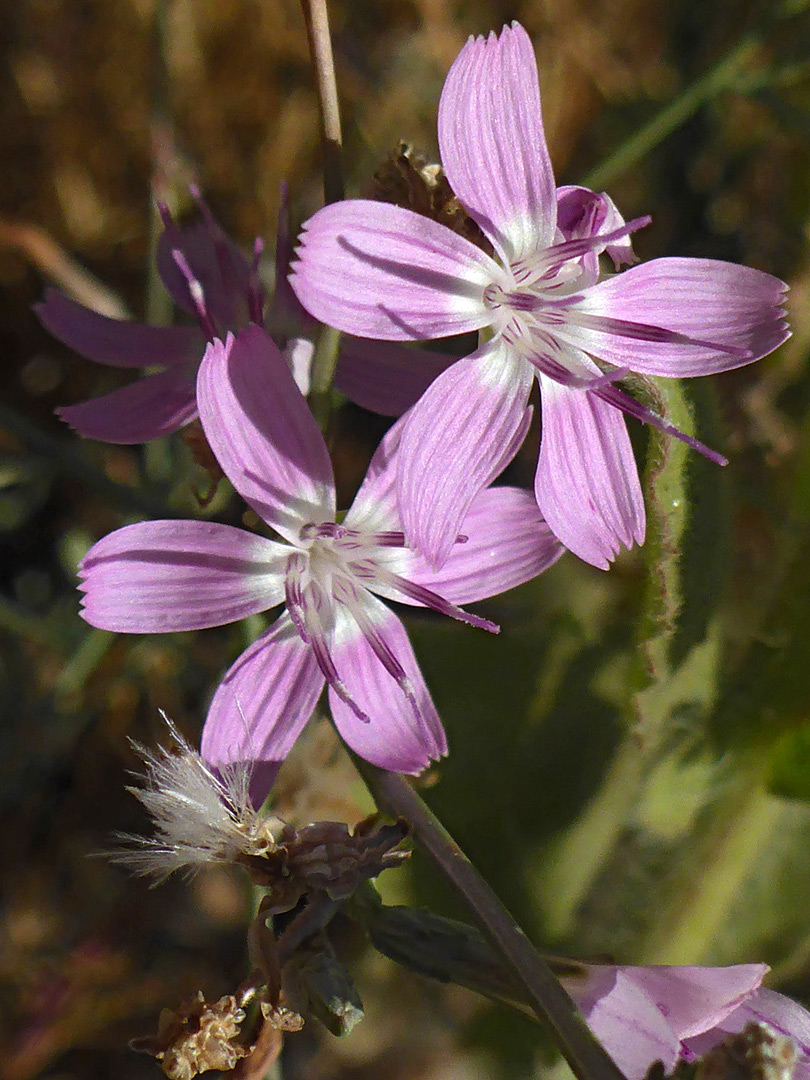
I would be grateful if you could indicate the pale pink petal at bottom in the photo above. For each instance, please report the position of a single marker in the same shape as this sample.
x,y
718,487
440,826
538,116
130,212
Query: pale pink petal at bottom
x,y
628,1024
508,542
114,341
587,484
385,376
764,1006
457,439
159,577
395,738
264,700
696,998
148,408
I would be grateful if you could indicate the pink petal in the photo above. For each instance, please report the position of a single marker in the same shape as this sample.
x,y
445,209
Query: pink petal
x,y
764,1006
507,543
581,212
734,315
113,341
628,1024
396,738
262,432
463,431
379,271
696,998
216,262
264,700
375,507
587,484
384,376
157,577
492,142
148,408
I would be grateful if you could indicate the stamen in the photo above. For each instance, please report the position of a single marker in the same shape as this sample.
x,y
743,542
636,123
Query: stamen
x,y
648,332
429,599
196,293
379,646
255,291
553,258
614,396
307,620
294,594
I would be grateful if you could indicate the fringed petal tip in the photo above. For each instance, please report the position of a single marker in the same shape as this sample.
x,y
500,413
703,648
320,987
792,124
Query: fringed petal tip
x,y
587,484
405,733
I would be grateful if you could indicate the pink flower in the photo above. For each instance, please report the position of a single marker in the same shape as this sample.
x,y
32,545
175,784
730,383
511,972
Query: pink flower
x,y
164,576
208,278
648,1014
377,270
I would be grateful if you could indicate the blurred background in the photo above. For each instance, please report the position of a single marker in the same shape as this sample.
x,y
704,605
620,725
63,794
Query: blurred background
x,y
630,759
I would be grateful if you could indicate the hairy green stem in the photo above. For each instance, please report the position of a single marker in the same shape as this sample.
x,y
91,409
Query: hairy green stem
x,y
548,1000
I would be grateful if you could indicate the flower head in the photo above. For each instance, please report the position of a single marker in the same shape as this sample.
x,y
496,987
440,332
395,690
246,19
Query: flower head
x,y
163,576
209,278
668,1014
377,270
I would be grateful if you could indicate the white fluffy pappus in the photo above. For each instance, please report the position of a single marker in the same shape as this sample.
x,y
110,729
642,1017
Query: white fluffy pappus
x,y
199,817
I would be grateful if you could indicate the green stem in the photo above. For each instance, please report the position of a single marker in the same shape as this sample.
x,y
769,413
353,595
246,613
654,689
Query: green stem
x,y
548,1000
719,78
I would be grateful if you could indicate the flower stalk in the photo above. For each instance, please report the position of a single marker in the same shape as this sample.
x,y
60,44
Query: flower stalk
x,y
548,1000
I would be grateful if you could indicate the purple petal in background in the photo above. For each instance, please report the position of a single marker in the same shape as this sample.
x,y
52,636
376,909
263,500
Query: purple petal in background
x,y
385,376
587,484
380,271
492,142
148,408
262,432
113,341
216,262
164,576
455,441
581,212
264,700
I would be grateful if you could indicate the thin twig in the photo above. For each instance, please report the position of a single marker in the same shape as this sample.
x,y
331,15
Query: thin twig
x,y
549,1001
320,47
324,359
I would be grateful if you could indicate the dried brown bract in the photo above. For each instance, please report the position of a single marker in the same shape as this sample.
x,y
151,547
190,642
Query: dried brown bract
x,y
407,179
325,857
